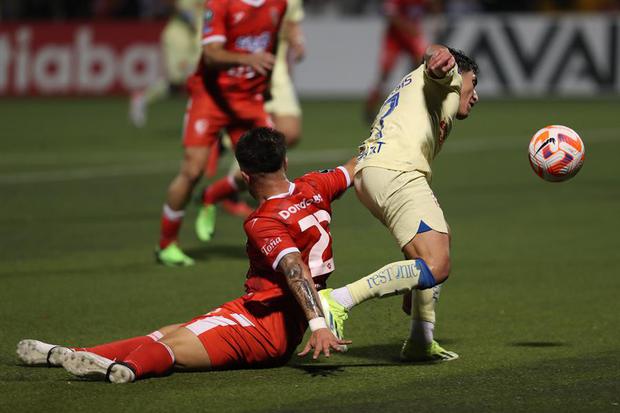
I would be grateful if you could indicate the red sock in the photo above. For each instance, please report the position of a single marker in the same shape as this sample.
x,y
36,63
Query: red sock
x,y
152,359
220,189
170,225
118,350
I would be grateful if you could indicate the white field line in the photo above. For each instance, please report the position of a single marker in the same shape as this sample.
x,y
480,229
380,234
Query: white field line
x,y
326,157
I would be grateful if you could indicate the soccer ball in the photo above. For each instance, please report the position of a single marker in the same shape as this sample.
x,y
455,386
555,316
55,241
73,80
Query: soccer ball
x,y
556,153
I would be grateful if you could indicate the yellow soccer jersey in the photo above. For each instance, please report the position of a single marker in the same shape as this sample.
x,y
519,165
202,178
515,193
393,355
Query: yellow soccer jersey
x,y
294,14
413,123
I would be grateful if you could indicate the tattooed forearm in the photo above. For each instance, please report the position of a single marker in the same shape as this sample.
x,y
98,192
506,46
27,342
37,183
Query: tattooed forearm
x,y
298,280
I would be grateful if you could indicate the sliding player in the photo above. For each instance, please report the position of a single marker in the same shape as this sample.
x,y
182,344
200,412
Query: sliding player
x,y
290,253
226,92
392,180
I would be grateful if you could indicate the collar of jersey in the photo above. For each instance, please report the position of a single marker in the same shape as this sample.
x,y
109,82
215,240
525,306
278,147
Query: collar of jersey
x,y
291,188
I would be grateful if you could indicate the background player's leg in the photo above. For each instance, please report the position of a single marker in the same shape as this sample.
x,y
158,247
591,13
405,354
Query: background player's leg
x,y
290,126
389,55
179,193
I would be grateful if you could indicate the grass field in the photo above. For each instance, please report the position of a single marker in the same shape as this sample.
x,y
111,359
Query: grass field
x,y
532,305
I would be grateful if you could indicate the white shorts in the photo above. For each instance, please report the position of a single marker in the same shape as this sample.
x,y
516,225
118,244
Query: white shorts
x,y
402,201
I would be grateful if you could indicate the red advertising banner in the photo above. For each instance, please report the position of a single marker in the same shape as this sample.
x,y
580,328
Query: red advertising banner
x,y
78,58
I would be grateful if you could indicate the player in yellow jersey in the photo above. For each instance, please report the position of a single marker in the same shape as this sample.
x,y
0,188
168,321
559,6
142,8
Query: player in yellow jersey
x,y
181,48
284,106
392,180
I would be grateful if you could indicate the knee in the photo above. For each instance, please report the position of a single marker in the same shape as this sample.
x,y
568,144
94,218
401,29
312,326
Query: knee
x,y
440,268
192,172
293,137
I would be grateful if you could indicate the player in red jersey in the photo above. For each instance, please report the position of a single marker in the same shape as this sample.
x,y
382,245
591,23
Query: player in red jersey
x,y
404,34
226,92
290,251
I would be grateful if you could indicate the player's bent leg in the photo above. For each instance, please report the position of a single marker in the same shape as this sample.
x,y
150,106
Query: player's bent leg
x,y
189,352
434,248
395,278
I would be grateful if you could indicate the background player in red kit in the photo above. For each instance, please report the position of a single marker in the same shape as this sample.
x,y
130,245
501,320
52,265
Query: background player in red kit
x,y
226,92
290,251
404,34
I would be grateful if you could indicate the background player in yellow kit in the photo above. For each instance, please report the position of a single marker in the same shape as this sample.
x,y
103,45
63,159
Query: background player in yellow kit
x,y
392,180
284,106
181,48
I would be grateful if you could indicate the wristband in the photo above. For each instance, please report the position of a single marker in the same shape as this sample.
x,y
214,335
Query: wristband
x,y
317,323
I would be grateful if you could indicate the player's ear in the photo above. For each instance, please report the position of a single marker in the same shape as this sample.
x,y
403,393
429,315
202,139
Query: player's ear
x,y
245,177
285,164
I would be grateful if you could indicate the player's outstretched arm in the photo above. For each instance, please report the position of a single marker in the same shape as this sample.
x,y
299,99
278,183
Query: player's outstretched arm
x,y
302,287
439,61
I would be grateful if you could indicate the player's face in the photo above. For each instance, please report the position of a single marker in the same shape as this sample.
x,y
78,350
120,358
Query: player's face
x,y
469,97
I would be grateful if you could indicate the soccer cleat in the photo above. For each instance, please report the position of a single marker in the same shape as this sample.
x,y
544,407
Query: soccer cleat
x,y
335,314
92,366
428,354
38,353
137,109
205,223
237,208
173,256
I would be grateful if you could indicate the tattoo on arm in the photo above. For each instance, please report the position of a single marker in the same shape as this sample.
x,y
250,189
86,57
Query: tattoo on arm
x,y
299,281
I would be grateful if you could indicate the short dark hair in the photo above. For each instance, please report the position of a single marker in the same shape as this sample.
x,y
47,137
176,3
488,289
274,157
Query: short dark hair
x,y
464,62
261,150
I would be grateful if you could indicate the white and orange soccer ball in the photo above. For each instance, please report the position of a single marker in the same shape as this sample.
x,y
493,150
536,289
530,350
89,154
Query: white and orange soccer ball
x,y
556,153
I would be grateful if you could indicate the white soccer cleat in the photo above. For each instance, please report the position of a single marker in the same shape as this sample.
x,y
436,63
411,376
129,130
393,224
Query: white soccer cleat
x,y
92,366
38,353
137,109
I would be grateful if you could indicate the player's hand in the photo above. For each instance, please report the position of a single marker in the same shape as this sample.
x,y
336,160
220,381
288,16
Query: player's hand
x,y
297,51
440,63
322,340
407,303
261,62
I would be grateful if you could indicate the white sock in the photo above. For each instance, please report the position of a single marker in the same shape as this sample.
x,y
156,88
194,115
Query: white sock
x,y
422,332
343,297
173,215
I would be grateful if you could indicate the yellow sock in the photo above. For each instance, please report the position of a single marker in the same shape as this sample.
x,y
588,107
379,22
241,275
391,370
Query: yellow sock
x,y
423,305
423,315
394,278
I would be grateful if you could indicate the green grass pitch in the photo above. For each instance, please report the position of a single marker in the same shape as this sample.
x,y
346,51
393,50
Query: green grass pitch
x,y
532,306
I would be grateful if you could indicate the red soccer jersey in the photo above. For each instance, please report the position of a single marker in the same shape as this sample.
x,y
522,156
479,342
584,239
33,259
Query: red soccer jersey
x,y
295,221
412,10
244,26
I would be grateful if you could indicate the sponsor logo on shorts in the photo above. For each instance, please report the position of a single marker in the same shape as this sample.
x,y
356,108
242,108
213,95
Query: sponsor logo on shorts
x,y
295,208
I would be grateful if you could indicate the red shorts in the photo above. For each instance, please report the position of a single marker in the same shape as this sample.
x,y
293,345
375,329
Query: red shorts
x,y
206,116
395,43
243,333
